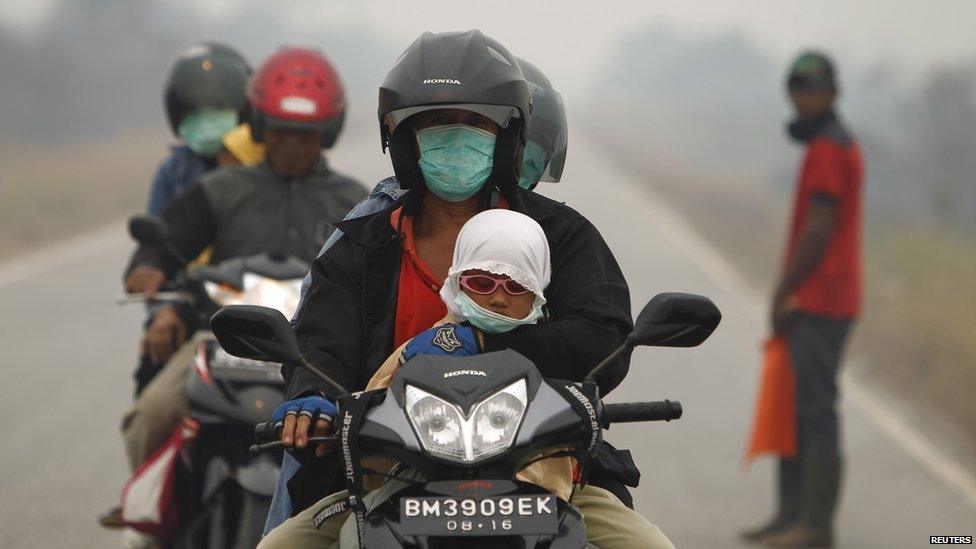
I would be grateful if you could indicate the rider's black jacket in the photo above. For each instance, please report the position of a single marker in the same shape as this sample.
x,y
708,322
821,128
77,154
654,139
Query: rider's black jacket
x,y
346,325
241,211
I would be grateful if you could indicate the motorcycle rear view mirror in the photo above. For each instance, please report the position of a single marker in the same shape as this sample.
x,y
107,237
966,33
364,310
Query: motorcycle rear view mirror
x,y
256,333
668,320
148,229
675,320
262,333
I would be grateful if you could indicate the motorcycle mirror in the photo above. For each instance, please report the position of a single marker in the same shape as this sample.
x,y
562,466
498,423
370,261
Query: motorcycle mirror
x,y
255,333
675,320
148,229
262,333
668,320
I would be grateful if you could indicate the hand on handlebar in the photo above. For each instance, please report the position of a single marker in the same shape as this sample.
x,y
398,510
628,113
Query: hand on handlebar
x,y
302,418
145,279
166,333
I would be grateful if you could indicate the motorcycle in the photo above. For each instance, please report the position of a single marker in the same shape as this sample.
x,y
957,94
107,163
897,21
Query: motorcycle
x,y
468,425
224,492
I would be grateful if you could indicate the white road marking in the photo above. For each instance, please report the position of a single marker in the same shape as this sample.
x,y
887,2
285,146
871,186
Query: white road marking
x,y
690,243
63,253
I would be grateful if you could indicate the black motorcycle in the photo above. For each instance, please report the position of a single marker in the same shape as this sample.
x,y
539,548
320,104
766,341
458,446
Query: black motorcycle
x,y
468,425
224,491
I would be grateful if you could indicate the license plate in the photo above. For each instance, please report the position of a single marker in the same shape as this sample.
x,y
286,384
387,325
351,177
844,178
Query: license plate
x,y
490,516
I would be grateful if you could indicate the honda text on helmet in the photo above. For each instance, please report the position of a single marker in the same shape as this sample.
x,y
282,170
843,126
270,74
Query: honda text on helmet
x,y
453,113
545,149
204,95
297,89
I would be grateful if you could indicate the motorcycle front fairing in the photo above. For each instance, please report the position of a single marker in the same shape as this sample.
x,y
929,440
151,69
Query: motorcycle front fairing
x,y
549,422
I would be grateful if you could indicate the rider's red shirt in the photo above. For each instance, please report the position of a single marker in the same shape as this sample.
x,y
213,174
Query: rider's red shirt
x,y
419,304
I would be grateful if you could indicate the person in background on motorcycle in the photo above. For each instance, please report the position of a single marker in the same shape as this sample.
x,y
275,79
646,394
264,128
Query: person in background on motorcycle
x,y
457,149
815,303
299,107
204,99
547,139
285,205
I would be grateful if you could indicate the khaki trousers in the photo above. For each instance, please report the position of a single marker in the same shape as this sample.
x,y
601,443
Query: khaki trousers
x,y
609,523
150,421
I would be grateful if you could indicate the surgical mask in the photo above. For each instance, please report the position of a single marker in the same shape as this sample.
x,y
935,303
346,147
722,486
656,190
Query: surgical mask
x,y
455,160
202,130
533,165
491,322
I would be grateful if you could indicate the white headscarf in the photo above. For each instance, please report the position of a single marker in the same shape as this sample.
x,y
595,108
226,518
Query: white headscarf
x,y
500,242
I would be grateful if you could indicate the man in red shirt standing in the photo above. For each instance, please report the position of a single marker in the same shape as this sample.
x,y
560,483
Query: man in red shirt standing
x,y
815,303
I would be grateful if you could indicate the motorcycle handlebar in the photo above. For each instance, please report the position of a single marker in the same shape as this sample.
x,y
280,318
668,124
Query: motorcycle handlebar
x,y
256,449
266,435
125,299
641,411
265,432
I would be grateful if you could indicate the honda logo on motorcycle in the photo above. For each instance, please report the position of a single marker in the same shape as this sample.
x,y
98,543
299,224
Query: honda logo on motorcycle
x,y
465,373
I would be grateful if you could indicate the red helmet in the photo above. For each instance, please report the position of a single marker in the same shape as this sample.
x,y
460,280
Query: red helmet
x,y
297,88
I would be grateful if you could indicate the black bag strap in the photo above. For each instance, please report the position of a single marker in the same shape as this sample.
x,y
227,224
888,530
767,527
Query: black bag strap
x,y
583,398
353,407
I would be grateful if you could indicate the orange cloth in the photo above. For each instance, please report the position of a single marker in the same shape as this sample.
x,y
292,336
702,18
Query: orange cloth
x,y
774,427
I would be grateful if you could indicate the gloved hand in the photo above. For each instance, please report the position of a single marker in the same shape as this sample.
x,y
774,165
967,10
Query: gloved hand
x,y
444,340
297,416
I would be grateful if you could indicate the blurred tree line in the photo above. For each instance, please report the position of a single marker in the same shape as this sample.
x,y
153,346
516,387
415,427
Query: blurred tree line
x,y
715,106
96,67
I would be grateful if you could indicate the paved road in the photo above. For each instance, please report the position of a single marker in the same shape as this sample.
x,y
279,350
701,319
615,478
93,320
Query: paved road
x,y
68,352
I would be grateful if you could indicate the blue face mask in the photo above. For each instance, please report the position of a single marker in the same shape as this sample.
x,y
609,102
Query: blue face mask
x,y
534,163
491,322
203,130
455,160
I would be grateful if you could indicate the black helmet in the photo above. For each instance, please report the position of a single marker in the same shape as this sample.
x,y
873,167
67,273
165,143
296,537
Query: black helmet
x,y
460,70
547,125
205,74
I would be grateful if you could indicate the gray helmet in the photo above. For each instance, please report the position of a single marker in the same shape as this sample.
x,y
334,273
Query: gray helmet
x,y
547,126
456,70
205,74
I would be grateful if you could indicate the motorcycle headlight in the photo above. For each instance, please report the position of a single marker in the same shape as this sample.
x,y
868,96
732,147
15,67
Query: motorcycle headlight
x,y
445,431
496,419
437,422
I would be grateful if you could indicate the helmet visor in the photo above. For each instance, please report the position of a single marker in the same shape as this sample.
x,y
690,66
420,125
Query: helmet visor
x,y
499,114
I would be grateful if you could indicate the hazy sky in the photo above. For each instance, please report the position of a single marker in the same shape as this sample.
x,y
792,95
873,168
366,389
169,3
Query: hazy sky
x,y
568,35
570,38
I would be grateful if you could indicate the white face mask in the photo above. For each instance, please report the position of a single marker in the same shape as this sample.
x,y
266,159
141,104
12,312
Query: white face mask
x,y
491,322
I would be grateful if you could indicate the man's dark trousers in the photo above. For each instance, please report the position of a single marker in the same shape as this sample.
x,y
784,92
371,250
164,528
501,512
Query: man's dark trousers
x,y
814,476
